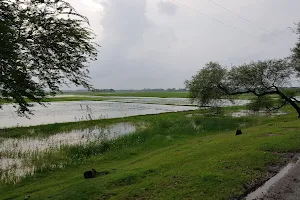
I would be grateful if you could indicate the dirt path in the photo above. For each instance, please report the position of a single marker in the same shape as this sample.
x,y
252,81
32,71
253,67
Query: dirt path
x,y
284,188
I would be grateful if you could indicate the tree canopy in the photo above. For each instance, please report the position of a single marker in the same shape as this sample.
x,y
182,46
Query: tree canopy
x,y
44,44
261,78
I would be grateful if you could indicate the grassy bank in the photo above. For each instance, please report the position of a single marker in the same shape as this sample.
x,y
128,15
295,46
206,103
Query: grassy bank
x,y
175,157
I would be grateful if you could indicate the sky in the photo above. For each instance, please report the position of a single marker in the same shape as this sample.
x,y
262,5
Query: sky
x,y
161,43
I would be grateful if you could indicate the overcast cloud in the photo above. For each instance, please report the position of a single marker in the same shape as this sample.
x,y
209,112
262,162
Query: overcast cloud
x,y
159,44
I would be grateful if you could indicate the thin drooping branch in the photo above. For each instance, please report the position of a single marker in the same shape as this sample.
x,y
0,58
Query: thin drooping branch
x,y
278,107
296,100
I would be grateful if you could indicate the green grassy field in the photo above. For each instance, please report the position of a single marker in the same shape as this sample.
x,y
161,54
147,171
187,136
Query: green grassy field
x,y
174,157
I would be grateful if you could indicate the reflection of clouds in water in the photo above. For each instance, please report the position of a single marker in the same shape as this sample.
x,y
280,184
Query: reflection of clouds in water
x,y
57,112
12,169
178,101
244,113
17,153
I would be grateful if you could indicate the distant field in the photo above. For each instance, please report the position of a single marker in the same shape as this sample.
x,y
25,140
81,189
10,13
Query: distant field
x,y
58,99
153,94
135,94
55,99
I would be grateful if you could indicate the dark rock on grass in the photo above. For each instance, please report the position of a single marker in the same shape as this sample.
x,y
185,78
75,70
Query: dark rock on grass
x,y
238,132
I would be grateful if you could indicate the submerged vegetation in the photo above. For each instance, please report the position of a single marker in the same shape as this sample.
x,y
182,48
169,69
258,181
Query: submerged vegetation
x,y
193,155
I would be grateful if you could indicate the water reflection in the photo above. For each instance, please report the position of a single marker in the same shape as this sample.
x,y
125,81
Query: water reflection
x,y
57,112
16,154
178,101
244,113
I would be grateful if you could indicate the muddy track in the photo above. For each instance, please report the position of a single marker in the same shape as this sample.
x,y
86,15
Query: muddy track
x,y
282,182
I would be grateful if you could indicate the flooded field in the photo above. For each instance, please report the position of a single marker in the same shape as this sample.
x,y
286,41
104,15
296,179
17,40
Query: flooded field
x,y
157,100
57,112
21,157
245,113
176,101
85,110
24,156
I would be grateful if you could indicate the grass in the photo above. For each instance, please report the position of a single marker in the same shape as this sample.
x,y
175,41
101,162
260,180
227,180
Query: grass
x,y
175,157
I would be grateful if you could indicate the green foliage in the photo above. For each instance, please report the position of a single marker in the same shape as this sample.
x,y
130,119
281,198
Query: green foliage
x,y
214,124
204,86
43,45
261,103
261,78
296,51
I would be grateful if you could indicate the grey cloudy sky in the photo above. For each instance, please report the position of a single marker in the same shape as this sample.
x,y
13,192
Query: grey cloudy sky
x,y
160,44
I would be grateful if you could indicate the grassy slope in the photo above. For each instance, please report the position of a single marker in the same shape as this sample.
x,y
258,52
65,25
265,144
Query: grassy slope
x,y
172,160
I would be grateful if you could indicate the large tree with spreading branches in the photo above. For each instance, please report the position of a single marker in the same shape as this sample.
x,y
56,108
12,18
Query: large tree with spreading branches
x,y
44,44
264,79
261,78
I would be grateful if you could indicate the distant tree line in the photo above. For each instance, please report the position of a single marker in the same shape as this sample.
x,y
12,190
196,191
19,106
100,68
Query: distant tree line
x,y
164,90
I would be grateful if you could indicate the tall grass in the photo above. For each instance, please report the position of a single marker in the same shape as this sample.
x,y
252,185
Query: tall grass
x,y
160,130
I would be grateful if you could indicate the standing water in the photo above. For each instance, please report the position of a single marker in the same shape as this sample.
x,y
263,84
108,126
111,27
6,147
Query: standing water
x,y
58,112
16,155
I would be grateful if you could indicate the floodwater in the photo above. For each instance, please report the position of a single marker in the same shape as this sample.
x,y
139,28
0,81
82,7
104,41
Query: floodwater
x,y
176,101
16,154
244,113
57,112
158,100
257,194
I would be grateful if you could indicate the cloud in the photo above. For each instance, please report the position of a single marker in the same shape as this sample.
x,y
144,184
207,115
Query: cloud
x,y
167,7
143,47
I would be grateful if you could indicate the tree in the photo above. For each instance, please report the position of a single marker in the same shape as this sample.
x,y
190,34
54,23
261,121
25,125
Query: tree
x,y
44,44
262,79
296,51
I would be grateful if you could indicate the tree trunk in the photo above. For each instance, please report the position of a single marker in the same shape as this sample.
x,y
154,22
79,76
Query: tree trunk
x,y
293,103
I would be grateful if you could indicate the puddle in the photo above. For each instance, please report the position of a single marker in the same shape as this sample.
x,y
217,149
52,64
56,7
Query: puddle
x,y
193,115
258,193
245,113
16,154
